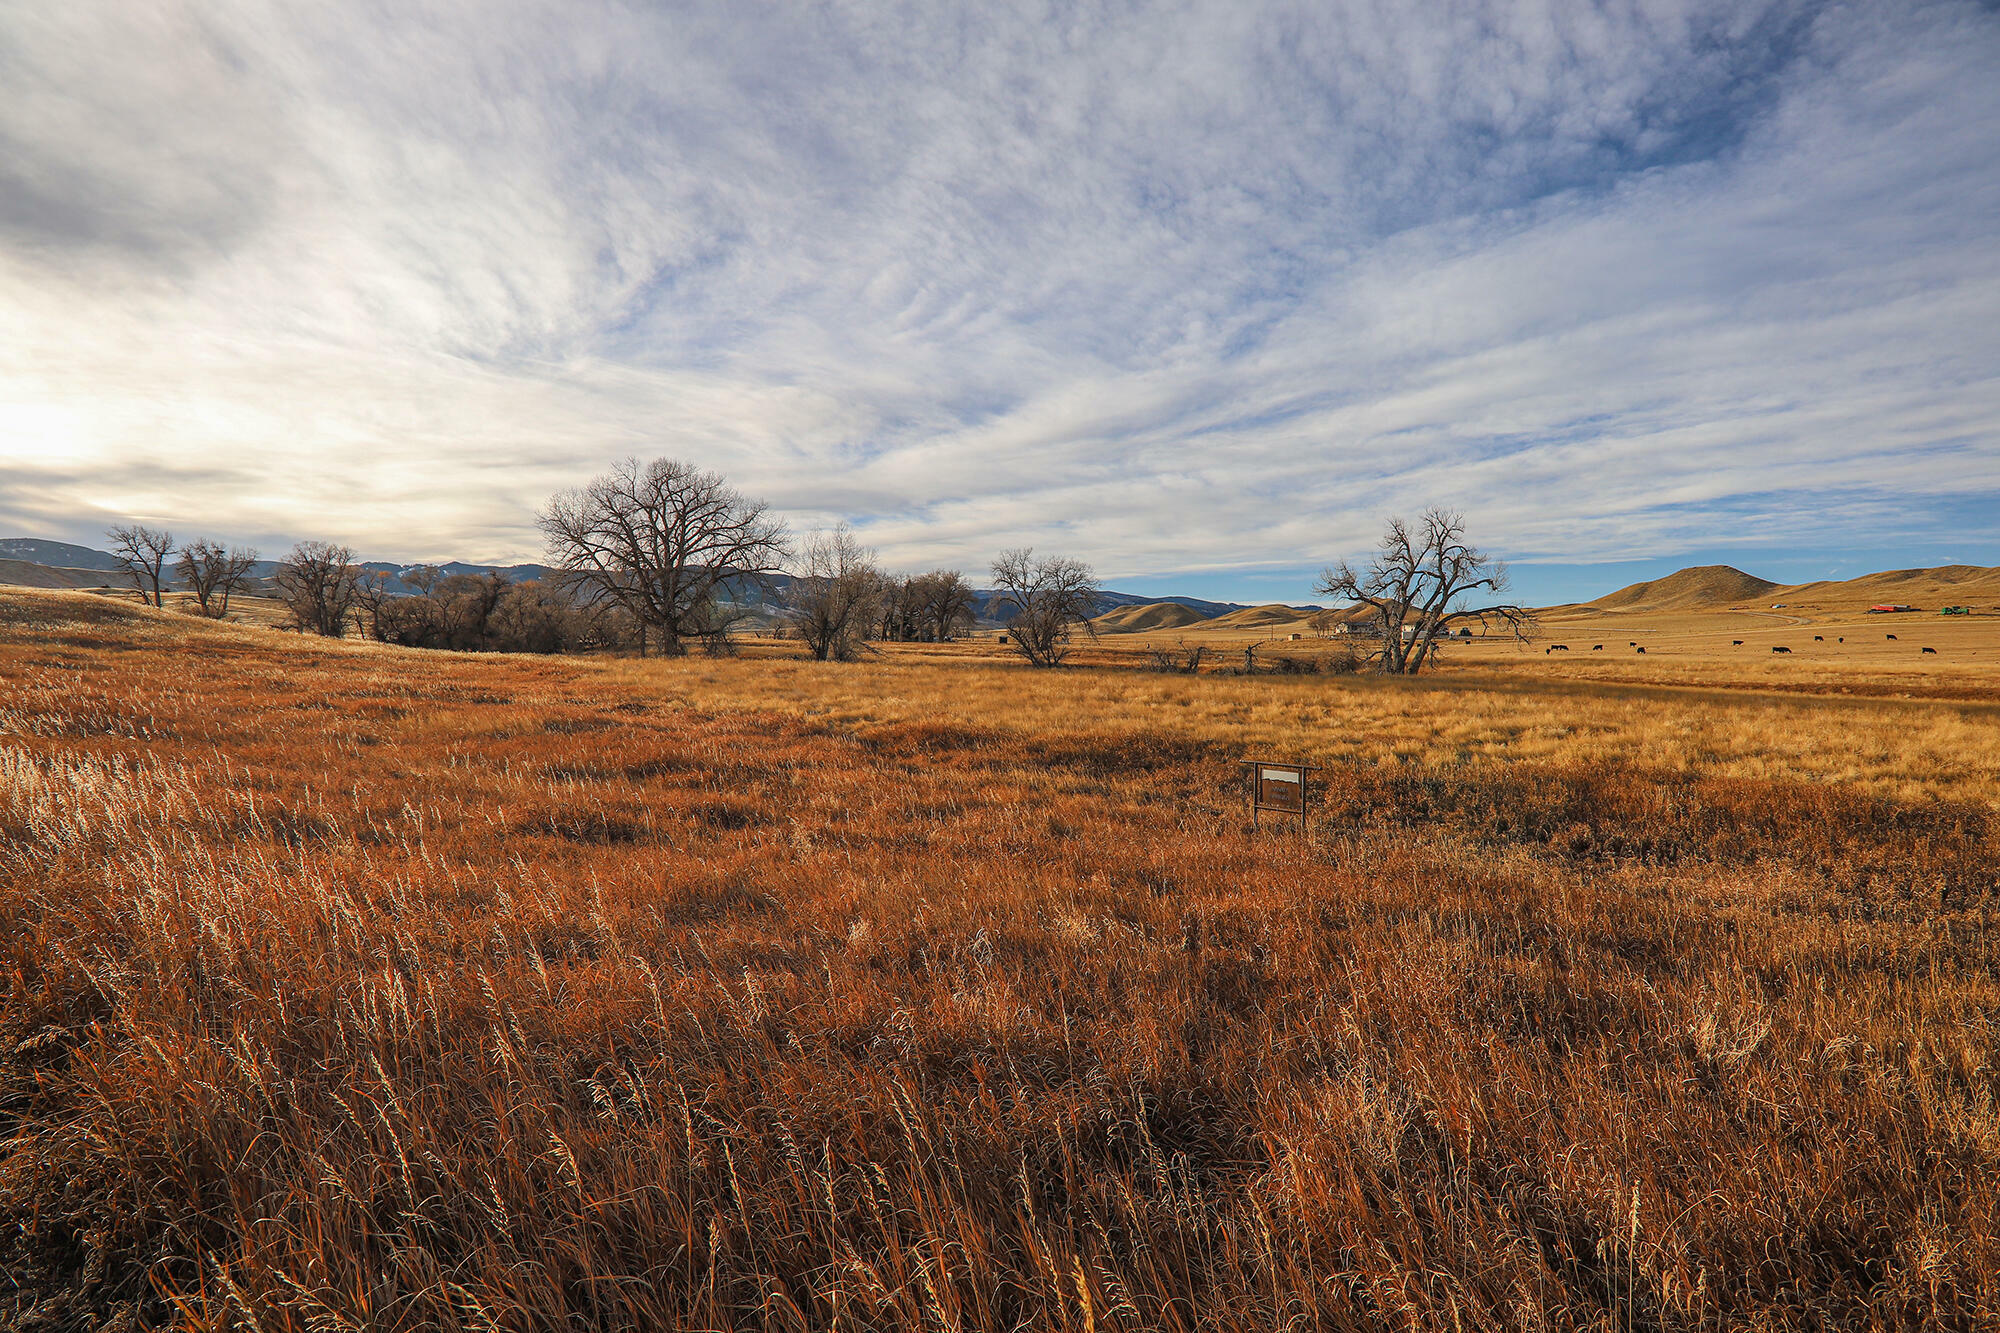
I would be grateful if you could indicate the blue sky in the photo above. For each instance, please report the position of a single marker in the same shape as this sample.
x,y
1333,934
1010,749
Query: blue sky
x,y
1197,292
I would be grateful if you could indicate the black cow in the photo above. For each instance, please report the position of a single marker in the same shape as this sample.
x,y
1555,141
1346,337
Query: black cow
x,y
1596,647
1639,649
1931,651
1890,637
1780,649
1841,639
1819,638
1737,642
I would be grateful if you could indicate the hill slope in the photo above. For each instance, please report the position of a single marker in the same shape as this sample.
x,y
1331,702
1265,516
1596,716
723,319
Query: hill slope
x,y
60,555
1268,616
1152,616
1945,585
1687,590
28,574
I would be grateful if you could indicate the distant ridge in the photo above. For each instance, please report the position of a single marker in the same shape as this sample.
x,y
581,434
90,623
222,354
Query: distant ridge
x,y
35,562
1266,616
28,574
1687,590
1943,585
1152,616
60,555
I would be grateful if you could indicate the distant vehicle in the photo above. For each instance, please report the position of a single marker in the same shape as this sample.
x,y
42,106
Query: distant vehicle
x,y
1956,611
1779,606
1885,607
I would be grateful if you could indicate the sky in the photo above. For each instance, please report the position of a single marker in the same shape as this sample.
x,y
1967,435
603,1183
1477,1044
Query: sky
x,y
1199,293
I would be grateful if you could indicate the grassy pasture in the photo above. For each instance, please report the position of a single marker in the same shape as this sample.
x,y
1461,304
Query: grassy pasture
x,y
350,987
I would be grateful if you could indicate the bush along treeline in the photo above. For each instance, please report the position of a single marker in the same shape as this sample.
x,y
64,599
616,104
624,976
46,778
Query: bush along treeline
x,y
478,613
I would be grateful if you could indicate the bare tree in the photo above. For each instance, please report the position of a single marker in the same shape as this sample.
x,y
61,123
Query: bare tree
x,y
534,617
1051,597
944,603
142,553
666,541
900,614
836,595
1180,659
382,605
931,607
212,573
319,584
1423,581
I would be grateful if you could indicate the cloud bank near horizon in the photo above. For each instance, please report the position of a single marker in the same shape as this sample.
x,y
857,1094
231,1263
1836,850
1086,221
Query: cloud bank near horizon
x,y
1203,287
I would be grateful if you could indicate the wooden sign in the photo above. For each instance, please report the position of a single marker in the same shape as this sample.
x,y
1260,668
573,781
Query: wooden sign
x,y
1280,788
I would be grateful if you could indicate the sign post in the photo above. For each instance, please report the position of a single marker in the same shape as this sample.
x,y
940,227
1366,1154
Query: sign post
x,y
1279,788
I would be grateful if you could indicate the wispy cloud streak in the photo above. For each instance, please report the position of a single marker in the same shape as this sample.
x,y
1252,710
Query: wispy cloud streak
x,y
1190,287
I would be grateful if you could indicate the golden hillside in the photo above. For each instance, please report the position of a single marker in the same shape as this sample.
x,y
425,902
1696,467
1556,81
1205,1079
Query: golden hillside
x,y
1687,590
1270,616
1152,616
1946,585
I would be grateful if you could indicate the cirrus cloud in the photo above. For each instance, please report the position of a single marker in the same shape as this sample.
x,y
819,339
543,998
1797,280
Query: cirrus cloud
x,y
1174,288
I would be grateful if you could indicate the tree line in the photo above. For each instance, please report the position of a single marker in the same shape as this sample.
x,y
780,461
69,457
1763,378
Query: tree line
x,y
665,556
661,557
326,592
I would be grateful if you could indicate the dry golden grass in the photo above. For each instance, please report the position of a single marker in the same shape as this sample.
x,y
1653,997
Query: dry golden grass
x,y
349,987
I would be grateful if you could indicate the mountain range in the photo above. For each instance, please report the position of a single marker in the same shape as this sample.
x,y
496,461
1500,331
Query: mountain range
x,y
34,562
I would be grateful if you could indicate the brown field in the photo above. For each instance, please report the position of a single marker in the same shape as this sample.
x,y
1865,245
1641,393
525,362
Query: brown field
x,y
346,987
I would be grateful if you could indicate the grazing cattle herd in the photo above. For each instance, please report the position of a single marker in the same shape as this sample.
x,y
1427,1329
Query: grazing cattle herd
x,y
1776,649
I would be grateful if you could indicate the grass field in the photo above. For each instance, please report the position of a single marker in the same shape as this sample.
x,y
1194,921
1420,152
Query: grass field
x,y
350,987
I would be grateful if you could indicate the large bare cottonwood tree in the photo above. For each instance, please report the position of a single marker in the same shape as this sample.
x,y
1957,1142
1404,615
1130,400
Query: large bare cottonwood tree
x,y
665,541
142,553
1423,580
1051,596
945,603
929,607
319,583
213,572
836,595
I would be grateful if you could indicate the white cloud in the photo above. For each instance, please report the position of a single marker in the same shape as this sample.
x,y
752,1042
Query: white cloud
x,y
1211,286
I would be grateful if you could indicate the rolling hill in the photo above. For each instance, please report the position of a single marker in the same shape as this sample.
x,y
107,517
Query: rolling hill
x,y
59,555
1946,585
1689,589
29,574
1272,615
1152,616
